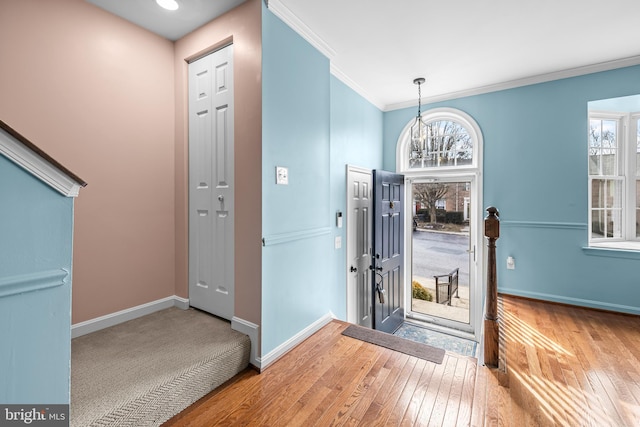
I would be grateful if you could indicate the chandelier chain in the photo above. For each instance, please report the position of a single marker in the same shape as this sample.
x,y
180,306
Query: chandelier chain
x,y
419,98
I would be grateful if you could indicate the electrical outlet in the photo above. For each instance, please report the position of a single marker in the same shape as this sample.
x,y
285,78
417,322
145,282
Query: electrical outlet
x,y
511,263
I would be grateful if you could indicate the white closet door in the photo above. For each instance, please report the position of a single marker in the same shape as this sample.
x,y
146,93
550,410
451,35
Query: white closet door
x,y
211,195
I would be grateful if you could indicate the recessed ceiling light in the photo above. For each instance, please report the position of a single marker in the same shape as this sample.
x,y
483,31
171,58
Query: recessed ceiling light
x,y
168,4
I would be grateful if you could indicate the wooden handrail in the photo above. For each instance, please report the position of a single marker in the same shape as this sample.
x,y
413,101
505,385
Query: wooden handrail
x,y
491,323
33,147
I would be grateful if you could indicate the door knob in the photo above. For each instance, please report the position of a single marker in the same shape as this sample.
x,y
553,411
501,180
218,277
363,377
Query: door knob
x,y
353,269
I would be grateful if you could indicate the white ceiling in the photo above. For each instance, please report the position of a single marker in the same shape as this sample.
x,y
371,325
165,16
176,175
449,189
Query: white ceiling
x,y
460,46
171,25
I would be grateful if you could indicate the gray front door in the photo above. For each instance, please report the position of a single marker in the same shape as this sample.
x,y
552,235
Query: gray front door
x,y
388,241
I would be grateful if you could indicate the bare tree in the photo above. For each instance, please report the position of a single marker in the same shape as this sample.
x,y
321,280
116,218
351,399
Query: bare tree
x,y
450,141
602,147
428,194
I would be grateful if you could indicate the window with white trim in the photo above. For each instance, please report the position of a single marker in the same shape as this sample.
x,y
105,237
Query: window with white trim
x,y
452,144
614,179
448,143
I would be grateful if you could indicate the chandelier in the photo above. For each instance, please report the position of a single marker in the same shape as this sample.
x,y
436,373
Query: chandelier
x,y
419,146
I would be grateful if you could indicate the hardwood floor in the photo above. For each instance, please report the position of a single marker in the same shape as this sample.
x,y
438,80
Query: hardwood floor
x,y
559,366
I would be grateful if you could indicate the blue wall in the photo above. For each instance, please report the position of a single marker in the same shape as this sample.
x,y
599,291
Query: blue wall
x,y
36,225
356,139
535,173
296,258
314,125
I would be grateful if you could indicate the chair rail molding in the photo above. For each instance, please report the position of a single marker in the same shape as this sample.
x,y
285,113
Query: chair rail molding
x,y
32,282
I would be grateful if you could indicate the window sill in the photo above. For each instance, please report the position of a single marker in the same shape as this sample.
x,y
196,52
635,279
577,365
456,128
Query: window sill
x,y
629,250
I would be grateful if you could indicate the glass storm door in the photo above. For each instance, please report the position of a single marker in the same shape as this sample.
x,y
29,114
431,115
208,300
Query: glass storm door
x,y
443,252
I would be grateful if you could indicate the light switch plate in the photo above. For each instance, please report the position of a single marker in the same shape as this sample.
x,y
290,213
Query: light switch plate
x,y
282,175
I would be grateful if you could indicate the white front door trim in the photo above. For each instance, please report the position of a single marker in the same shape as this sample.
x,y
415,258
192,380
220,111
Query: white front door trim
x,y
471,172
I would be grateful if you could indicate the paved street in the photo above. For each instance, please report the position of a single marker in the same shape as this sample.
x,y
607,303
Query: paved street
x,y
438,253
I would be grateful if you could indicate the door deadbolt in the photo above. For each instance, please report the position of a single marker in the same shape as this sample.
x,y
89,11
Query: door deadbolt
x,y
220,198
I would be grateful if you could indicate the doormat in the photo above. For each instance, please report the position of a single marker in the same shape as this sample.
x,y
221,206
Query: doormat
x,y
418,333
412,348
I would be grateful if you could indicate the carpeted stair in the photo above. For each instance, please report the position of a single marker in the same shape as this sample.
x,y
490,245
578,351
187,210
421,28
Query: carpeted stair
x,y
145,371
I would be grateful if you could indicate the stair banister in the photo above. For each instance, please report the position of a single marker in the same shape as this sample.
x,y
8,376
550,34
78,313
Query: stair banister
x,y
491,324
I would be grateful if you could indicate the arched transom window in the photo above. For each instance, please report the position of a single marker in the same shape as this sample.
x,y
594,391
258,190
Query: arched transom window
x,y
452,141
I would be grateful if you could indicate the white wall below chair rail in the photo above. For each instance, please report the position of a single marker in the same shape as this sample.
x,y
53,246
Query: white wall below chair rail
x,y
122,316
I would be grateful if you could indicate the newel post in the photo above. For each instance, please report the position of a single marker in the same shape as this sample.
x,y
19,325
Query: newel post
x,y
491,325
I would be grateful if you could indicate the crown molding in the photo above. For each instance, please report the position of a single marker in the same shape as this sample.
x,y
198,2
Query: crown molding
x,y
355,86
296,24
289,18
292,20
527,81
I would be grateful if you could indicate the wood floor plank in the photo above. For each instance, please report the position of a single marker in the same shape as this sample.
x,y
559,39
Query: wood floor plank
x,y
397,414
395,391
299,413
356,405
343,373
577,407
560,365
453,402
336,409
467,391
309,404
388,391
418,397
433,410
479,405
492,411
522,398
587,351
616,367
536,375
287,394
287,388
585,405
368,410
341,370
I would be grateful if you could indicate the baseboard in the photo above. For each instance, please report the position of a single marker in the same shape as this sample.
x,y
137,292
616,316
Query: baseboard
x,y
579,302
285,347
113,319
253,331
